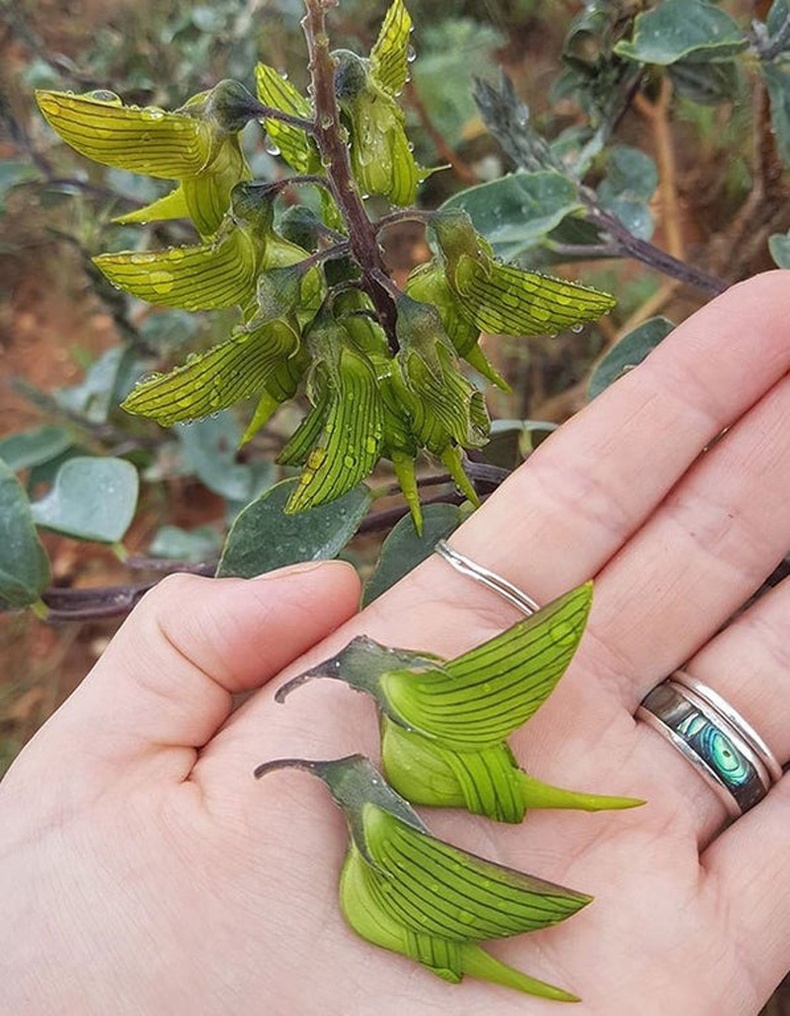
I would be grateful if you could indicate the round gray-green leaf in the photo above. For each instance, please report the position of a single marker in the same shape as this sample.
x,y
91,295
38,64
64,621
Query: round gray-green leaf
x,y
676,29
516,212
263,537
34,447
404,549
91,499
779,246
629,351
24,565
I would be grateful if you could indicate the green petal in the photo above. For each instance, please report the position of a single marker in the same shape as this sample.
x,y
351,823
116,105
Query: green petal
x,y
505,300
439,889
486,694
486,782
389,58
306,435
214,380
403,464
296,147
148,140
208,196
205,277
350,443
172,206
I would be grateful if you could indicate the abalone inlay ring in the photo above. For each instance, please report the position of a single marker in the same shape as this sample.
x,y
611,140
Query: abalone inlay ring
x,y
719,743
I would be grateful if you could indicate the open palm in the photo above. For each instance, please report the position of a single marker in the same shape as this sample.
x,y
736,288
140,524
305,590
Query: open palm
x,y
145,871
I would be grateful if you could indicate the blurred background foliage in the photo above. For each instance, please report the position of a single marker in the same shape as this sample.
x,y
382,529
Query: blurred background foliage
x,y
685,147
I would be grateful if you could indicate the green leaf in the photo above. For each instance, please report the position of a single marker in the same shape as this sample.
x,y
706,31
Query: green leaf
x,y
209,448
628,352
676,29
707,83
777,80
516,212
105,383
91,499
404,549
629,184
194,545
24,565
263,537
778,245
513,440
31,448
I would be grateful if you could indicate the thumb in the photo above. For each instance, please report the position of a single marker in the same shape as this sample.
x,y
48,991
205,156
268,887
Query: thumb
x,y
166,681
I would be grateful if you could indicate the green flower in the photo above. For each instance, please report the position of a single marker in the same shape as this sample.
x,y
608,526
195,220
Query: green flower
x,y
197,144
444,723
366,89
339,440
404,890
494,297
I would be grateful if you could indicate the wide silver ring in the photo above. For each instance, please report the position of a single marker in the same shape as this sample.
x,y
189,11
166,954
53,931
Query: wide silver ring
x,y
721,745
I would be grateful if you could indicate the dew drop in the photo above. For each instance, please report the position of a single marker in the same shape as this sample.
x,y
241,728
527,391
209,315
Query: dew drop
x,y
411,54
349,461
577,328
327,121
142,259
103,95
161,281
271,147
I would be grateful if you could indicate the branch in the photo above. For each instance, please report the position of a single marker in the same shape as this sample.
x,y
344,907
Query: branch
x,y
334,156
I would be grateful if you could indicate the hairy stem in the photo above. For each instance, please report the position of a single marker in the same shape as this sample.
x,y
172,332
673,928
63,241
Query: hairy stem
x,y
328,135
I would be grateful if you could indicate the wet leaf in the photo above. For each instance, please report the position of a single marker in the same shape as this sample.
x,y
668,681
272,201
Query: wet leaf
x,y
24,565
30,448
677,29
91,499
627,353
263,537
404,549
516,212
194,545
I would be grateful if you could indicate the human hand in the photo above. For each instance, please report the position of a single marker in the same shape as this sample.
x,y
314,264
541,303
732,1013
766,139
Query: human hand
x,y
142,876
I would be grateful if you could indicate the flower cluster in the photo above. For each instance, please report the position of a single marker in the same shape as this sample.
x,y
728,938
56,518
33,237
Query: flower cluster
x,y
379,385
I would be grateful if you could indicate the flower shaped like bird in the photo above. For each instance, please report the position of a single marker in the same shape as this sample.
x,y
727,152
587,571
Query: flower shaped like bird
x,y
406,891
197,144
444,723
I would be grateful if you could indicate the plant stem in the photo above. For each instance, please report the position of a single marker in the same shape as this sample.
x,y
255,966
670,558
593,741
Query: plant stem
x,y
328,135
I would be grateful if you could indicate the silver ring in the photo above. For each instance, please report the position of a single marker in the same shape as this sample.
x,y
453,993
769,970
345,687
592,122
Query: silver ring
x,y
720,744
466,566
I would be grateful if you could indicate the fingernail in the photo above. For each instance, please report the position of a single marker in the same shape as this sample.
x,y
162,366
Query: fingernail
x,y
302,568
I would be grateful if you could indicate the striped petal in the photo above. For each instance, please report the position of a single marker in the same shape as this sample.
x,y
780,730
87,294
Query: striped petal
x,y
389,58
214,380
148,140
350,442
296,147
438,889
205,277
506,300
480,698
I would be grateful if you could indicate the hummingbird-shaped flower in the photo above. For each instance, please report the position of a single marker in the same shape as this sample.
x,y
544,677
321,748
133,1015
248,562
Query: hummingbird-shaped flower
x,y
474,292
444,723
196,144
406,891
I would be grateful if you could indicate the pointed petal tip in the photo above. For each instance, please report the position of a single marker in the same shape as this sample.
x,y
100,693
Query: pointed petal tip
x,y
285,690
281,763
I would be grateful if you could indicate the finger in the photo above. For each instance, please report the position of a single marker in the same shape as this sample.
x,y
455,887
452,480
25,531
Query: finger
x,y
167,679
746,872
590,487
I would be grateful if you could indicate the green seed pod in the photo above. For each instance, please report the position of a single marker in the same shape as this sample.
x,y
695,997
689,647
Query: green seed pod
x,y
406,891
